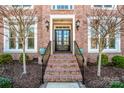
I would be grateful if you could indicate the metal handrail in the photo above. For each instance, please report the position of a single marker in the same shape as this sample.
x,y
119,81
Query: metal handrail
x,y
80,60
45,59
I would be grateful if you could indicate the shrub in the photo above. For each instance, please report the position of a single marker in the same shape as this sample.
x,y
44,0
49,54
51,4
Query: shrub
x,y
104,59
118,61
5,58
21,58
117,85
5,83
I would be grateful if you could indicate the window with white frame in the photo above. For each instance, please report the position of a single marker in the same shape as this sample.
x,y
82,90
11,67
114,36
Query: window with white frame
x,y
62,7
31,38
105,6
13,43
112,43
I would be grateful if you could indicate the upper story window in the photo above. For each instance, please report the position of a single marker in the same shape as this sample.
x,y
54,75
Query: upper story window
x,y
105,6
22,6
62,7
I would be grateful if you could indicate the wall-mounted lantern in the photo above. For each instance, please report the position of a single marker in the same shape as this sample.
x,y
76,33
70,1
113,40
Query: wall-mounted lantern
x,y
47,24
77,24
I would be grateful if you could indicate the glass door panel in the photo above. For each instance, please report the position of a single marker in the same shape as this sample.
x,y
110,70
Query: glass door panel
x,y
62,40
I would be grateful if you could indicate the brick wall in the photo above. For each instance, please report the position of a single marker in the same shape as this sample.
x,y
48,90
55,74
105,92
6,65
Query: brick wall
x,y
81,35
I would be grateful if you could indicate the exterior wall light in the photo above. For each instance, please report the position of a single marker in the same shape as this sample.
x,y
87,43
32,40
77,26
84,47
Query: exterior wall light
x,y
77,24
47,24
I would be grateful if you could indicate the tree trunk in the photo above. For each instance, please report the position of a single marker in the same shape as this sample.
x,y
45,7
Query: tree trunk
x,y
24,64
85,61
24,60
99,65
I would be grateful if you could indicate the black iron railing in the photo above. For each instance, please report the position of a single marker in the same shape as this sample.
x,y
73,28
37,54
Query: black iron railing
x,y
45,59
80,60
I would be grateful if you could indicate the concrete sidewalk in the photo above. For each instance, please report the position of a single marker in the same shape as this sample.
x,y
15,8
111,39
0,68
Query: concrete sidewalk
x,y
63,85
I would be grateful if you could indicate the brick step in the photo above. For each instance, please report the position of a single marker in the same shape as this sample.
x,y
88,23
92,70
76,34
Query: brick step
x,y
69,58
61,70
58,64
62,57
63,78
62,66
63,73
62,61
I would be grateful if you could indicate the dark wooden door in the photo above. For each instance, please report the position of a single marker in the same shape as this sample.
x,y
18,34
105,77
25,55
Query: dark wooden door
x,y
62,40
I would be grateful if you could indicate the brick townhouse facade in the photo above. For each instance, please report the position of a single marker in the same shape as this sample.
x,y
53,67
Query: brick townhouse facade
x,y
62,31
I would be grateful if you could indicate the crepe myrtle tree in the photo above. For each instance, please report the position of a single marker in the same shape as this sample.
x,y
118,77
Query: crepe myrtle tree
x,y
104,26
18,21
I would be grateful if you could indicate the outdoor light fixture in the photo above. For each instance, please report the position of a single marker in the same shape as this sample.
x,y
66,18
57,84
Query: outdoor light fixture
x,y
47,24
77,24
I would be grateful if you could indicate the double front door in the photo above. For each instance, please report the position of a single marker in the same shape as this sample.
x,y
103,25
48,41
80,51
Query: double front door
x,y
62,40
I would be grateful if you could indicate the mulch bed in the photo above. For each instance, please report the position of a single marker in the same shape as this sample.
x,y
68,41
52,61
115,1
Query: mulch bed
x,y
31,80
108,75
33,77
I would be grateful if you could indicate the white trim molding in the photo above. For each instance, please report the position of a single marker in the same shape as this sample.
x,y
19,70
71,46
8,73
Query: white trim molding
x,y
66,16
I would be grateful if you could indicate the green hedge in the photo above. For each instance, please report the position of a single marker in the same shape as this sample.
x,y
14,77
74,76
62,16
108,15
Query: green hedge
x,y
5,58
5,83
117,85
118,61
104,59
21,58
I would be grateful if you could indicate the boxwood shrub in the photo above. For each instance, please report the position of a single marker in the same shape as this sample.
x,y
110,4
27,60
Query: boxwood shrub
x,y
104,59
117,85
5,58
5,83
118,61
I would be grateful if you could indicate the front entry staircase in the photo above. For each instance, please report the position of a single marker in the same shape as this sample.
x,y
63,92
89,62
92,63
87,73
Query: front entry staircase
x,y
62,67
